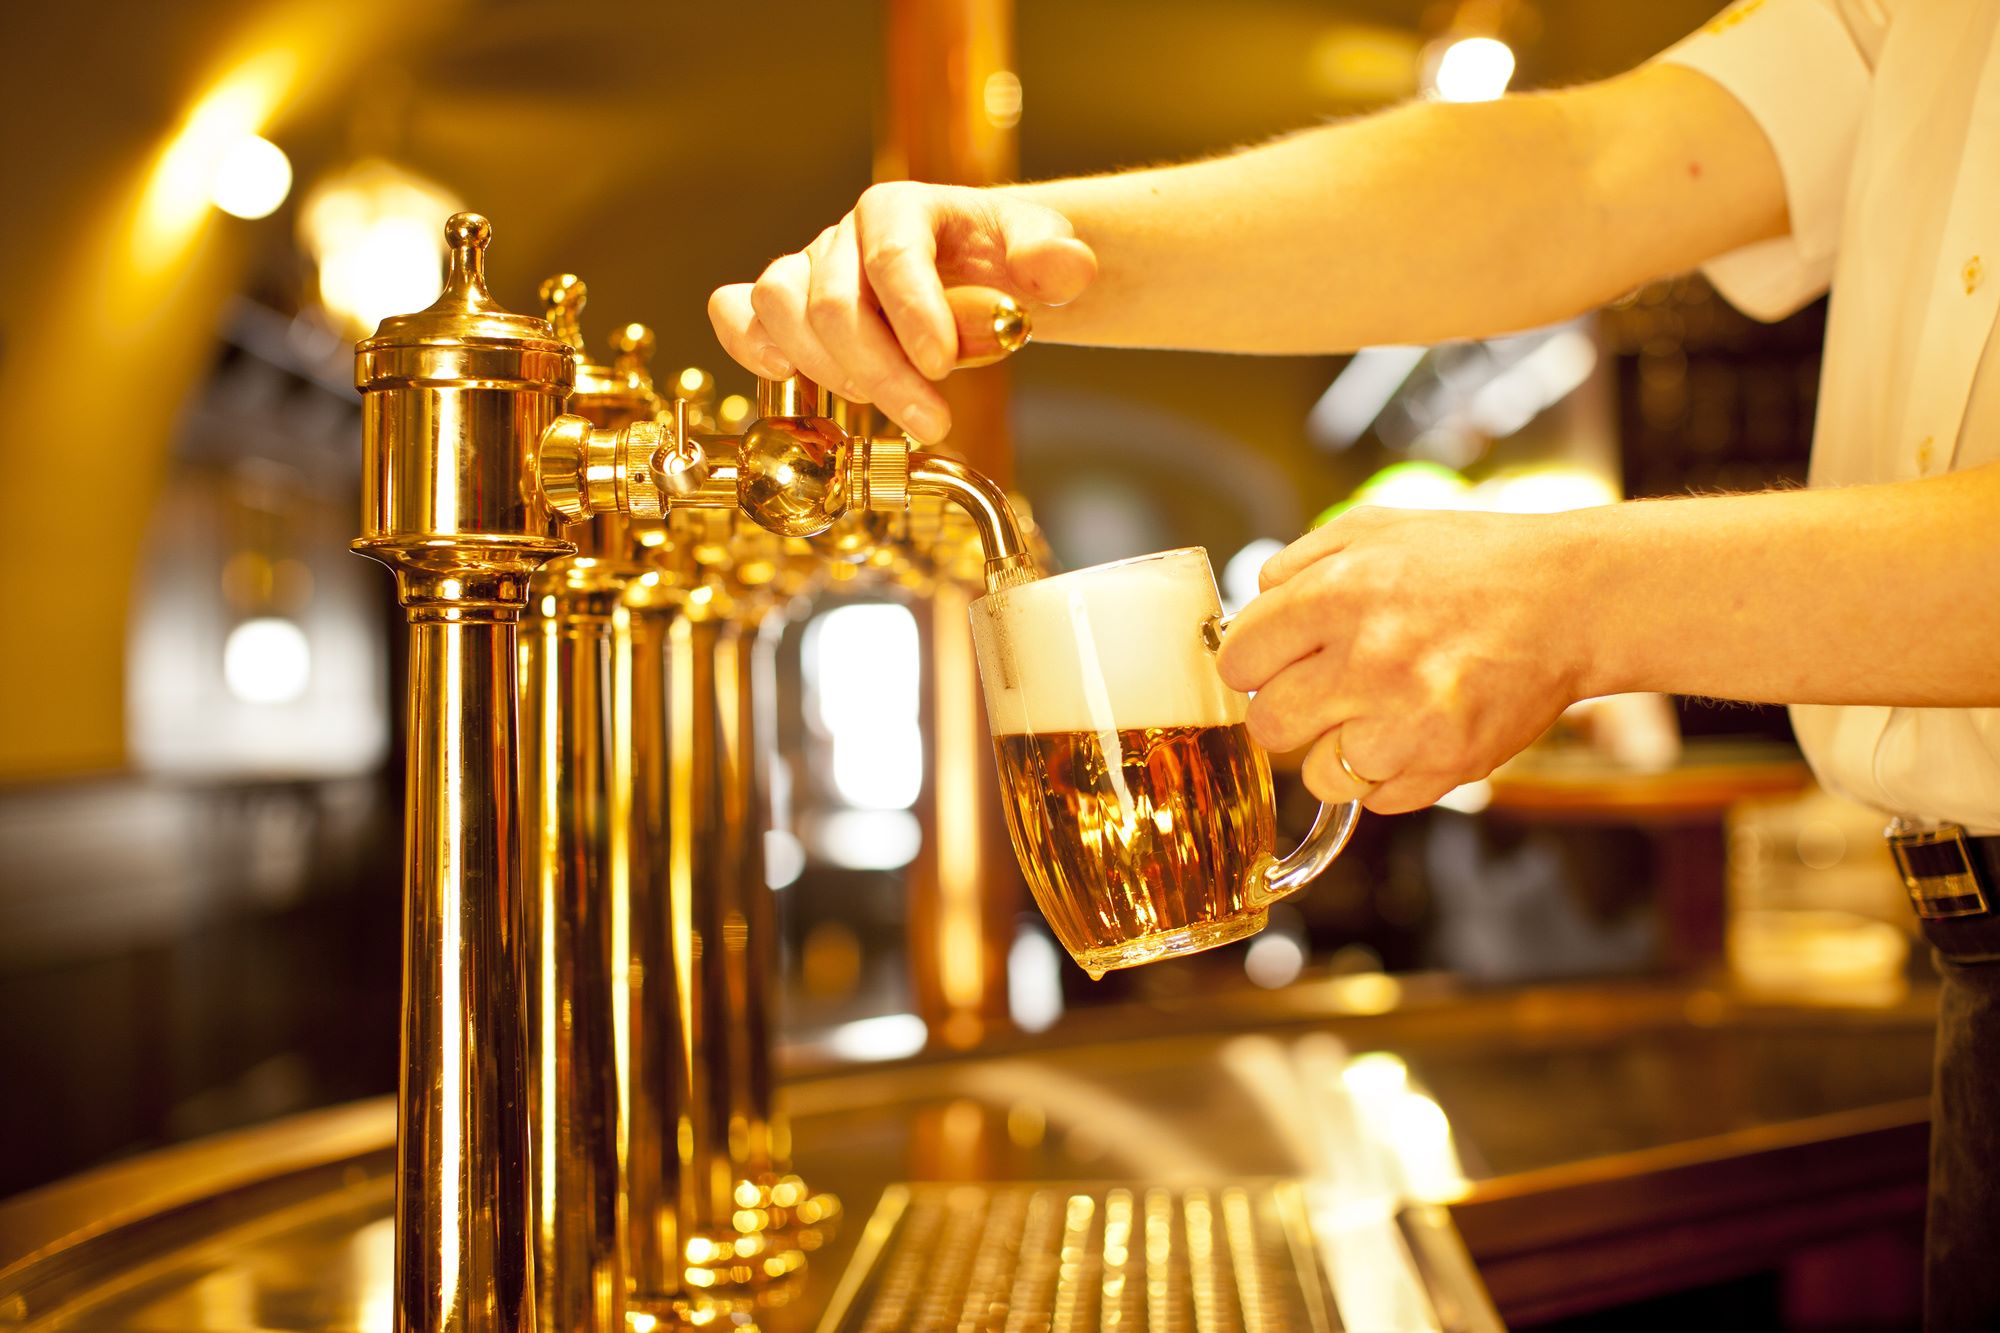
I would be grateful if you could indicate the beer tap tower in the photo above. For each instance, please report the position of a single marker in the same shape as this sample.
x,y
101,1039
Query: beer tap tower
x,y
543,927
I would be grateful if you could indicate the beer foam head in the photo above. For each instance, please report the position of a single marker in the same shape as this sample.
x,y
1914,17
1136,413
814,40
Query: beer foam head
x,y
1112,648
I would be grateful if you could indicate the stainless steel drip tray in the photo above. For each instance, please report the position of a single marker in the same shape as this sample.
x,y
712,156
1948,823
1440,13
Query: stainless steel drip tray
x,y
1282,1256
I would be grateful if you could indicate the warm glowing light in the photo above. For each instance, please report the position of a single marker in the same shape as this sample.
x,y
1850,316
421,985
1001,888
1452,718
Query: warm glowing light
x,y
185,181
1034,980
640,1323
1546,490
863,664
1365,993
1474,69
375,232
888,1037
1468,798
784,858
1274,959
1376,1076
867,839
1415,485
1364,62
733,410
692,379
1003,99
252,178
267,661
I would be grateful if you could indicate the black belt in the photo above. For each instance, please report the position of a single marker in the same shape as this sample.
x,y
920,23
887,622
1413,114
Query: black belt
x,y
1953,879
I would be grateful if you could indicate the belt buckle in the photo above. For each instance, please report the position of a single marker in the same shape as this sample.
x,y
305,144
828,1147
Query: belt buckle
x,y
1936,867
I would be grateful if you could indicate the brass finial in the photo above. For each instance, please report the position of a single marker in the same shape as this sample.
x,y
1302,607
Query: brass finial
x,y
465,281
563,296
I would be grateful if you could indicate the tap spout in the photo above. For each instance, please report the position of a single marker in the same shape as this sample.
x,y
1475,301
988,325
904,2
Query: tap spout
x,y
1008,562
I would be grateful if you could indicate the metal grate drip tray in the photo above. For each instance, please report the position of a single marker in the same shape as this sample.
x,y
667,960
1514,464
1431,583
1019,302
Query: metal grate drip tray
x,y
1055,1258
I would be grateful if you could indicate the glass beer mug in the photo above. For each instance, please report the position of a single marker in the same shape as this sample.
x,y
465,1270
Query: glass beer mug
x,y
1140,808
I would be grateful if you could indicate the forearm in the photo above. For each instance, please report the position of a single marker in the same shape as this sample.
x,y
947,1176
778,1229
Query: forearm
x,y
1859,595
1423,223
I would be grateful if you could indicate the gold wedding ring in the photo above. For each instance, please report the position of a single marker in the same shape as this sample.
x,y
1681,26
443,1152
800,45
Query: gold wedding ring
x,y
1339,757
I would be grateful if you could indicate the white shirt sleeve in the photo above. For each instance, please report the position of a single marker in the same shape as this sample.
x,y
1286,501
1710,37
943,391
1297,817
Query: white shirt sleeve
x,y
1802,69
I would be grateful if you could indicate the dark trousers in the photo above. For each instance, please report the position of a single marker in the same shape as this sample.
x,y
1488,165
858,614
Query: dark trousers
x,y
1962,1232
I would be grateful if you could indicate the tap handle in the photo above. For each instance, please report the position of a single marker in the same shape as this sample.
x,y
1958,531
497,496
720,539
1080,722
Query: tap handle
x,y
991,325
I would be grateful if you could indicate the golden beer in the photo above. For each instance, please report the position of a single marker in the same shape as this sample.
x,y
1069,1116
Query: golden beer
x,y
1140,809
1143,842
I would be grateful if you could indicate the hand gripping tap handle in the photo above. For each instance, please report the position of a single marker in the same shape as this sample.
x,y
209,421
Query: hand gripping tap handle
x,y
990,326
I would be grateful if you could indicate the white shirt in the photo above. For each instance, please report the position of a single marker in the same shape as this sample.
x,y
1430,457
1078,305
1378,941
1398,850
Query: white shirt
x,y
1885,118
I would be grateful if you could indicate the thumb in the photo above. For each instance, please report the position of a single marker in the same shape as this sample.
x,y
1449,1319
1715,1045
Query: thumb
x,y
1045,260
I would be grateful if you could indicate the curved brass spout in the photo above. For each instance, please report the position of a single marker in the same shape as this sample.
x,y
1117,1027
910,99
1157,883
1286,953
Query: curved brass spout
x,y
1008,562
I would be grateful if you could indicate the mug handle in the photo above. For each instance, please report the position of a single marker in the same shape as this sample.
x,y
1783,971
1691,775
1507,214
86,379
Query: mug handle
x,y
1331,827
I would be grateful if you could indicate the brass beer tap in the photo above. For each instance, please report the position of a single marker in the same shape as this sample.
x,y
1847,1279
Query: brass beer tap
x,y
565,1058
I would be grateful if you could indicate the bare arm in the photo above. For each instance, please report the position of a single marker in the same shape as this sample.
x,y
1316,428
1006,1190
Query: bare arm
x,y
1427,222
1430,221
1431,646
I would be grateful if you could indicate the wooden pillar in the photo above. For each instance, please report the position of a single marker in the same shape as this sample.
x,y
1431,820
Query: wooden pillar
x,y
953,102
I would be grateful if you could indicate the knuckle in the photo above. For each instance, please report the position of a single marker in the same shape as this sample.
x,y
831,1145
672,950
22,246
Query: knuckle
x,y
880,194
885,256
827,309
769,294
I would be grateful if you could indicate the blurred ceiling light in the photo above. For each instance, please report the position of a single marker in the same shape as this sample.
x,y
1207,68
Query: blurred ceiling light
x,y
186,180
1473,69
267,661
252,179
376,233
1003,99
1361,62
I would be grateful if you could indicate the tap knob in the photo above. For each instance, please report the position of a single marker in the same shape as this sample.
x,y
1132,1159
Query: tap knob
x,y
680,465
991,325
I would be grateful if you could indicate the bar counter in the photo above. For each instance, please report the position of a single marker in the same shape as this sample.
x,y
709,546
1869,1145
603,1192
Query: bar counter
x,y
1620,1141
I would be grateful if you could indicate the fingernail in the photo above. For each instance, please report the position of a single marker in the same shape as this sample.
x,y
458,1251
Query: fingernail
x,y
925,422
776,367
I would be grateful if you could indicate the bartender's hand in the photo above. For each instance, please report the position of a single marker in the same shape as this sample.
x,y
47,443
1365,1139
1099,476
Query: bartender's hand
x,y
861,311
1428,646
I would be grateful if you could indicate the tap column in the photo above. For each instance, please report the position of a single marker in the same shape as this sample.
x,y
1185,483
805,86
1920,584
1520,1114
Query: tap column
x,y
455,400
578,754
